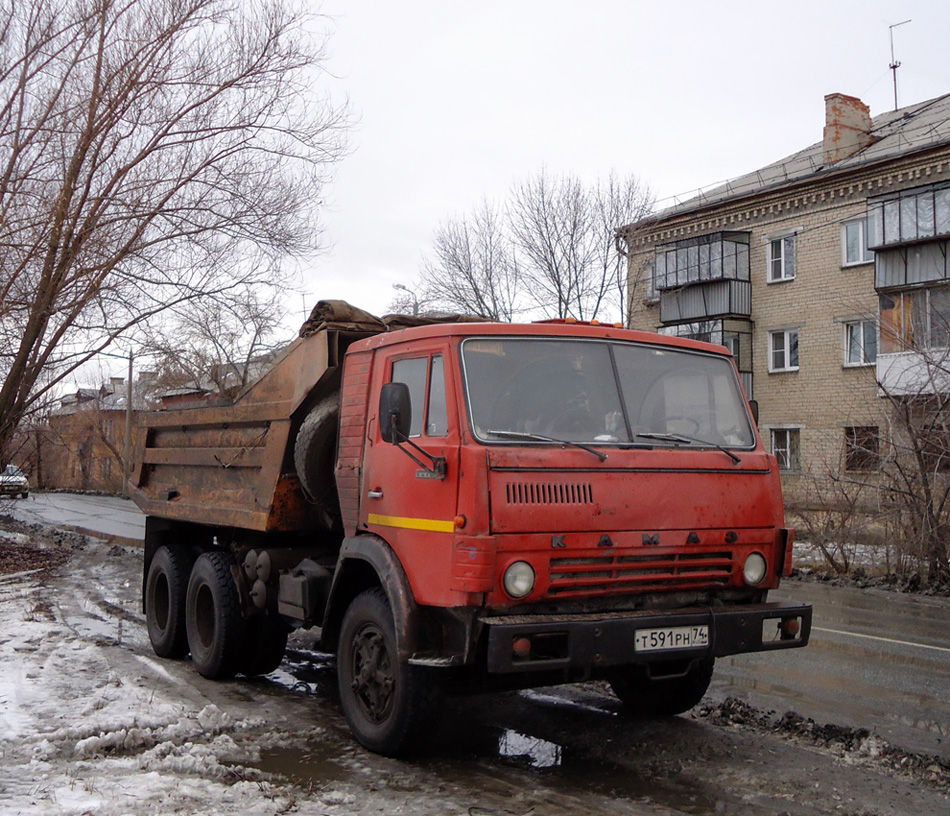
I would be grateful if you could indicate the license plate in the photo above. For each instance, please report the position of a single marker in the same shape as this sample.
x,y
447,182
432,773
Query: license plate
x,y
673,637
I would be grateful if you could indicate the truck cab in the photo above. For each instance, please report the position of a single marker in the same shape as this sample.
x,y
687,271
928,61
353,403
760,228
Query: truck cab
x,y
566,501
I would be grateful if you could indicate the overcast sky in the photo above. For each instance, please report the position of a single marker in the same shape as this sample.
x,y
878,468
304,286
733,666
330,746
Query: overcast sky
x,y
456,101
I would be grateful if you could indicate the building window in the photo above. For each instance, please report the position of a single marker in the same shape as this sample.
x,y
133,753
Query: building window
x,y
783,350
862,448
915,319
854,243
785,448
781,259
649,274
860,343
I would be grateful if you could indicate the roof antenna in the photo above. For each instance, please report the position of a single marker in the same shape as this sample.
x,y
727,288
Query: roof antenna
x,y
894,63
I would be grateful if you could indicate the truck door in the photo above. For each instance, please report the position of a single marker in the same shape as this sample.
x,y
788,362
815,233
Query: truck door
x,y
408,504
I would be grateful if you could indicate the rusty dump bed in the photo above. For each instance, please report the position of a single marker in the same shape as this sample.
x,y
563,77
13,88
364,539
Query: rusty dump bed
x,y
232,465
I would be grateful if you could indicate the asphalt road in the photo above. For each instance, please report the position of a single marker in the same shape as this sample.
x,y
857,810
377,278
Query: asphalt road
x,y
878,660
108,517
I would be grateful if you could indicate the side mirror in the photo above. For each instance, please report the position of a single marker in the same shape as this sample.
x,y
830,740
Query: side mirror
x,y
754,407
395,412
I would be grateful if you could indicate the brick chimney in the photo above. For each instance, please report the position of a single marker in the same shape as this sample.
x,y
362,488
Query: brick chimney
x,y
847,127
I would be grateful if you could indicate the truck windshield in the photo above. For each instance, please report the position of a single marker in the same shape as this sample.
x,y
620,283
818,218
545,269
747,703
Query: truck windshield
x,y
602,392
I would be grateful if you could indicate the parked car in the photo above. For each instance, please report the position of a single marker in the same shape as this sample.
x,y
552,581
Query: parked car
x,y
14,483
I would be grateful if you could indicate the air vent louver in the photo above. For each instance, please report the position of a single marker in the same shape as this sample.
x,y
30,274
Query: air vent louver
x,y
545,493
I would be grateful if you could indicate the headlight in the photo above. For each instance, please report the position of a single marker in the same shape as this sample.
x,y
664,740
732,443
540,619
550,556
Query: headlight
x,y
519,579
754,569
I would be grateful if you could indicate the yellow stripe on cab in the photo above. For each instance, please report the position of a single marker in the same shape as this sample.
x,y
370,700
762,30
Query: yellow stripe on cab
x,y
430,525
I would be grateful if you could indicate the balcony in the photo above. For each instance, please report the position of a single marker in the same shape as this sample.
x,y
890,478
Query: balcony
x,y
913,373
700,301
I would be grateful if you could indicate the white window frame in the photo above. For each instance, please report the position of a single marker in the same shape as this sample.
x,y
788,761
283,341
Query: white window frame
x,y
863,323
867,256
785,268
789,457
786,335
652,294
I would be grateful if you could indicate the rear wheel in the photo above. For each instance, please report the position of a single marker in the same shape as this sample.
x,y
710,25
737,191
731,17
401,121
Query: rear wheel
x,y
213,614
646,696
389,705
165,588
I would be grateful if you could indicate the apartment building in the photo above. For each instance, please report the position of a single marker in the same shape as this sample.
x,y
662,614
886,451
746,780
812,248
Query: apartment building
x,y
825,273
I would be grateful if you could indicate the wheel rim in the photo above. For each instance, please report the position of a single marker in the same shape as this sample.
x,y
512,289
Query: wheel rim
x,y
161,603
204,616
374,683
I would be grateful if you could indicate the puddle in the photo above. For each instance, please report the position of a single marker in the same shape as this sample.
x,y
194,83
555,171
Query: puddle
x,y
547,739
306,672
309,767
466,745
539,753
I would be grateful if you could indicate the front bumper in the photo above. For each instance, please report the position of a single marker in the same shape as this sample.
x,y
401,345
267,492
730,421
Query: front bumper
x,y
602,640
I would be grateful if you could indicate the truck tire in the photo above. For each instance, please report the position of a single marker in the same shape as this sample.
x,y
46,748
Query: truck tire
x,y
165,588
643,696
390,706
213,614
315,454
266,642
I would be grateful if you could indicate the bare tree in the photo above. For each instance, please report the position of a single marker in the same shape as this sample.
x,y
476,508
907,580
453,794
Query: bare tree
x,y
472,269
836,508
565,236
916,480
152,153
219,347
551,251
617,202
916,467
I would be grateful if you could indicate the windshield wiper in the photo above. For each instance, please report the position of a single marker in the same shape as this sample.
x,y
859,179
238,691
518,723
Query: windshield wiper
x,y
688,440
539,438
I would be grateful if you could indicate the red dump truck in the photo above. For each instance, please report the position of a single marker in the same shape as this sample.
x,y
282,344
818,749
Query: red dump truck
x,y
467,506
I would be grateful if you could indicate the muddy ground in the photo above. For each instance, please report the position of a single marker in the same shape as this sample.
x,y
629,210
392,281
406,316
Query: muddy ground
x,y
91,722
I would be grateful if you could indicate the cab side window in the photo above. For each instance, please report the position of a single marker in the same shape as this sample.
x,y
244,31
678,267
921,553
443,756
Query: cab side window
x,y
426,393
437,423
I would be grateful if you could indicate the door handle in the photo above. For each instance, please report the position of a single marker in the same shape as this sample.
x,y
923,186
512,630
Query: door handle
x,y
376,494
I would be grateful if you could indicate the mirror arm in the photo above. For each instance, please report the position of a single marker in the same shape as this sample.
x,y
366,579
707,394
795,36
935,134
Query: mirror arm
x,y
439,466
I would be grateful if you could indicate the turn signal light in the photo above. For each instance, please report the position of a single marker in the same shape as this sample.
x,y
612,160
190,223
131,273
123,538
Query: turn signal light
x,y
789,628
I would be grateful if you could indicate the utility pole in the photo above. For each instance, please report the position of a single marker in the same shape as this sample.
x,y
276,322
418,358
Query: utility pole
x,y
894,63
127,455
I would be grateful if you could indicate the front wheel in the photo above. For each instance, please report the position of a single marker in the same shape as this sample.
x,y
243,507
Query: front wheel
x,y
646,696
389,705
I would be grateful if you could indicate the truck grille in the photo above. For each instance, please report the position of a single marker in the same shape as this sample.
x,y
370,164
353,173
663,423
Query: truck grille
x,y
615,574
547,493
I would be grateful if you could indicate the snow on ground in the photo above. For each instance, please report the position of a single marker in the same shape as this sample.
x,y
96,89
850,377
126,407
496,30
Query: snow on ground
x,y
90,723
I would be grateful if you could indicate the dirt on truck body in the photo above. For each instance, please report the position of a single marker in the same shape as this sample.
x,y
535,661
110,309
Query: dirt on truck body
x,y
467,505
